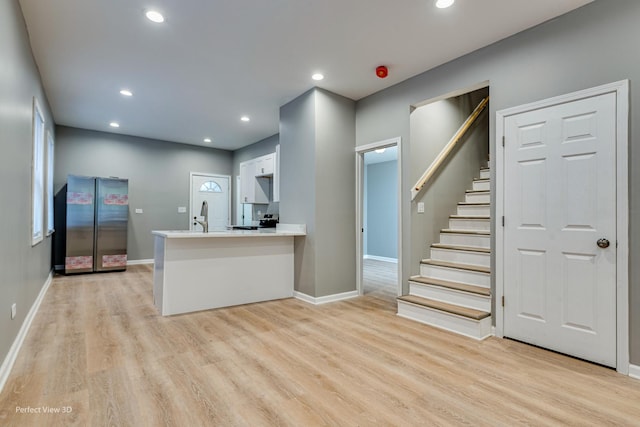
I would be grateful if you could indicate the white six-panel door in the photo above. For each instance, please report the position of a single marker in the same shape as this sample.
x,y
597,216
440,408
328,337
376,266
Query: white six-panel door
x,y
559,200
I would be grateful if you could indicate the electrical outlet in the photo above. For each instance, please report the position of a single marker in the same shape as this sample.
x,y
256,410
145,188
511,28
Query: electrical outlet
x,y
421,207
138,211
14,309
182,209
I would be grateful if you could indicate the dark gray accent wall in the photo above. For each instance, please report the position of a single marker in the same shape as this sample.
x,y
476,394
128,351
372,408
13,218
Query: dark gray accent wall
x,y
317,173
23,269
382,209
593,45
158,173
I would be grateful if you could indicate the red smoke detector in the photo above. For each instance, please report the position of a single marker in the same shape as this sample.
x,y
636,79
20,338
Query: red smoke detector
x,y
382,71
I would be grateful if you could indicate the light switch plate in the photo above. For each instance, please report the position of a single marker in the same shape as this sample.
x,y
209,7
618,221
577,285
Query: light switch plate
x,y
420,207
14,310
182,209
138,210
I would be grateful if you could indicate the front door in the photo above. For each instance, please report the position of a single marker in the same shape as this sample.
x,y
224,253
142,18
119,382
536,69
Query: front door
x,y
215,190
560,228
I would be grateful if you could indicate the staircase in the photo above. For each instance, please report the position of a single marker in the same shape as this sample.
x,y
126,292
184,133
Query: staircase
x,y
452,291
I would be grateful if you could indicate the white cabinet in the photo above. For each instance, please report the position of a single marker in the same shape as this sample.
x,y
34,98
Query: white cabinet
x,y
276,175
260,178
265,165
252,189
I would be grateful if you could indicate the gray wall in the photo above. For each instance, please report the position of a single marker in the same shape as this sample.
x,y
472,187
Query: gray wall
x,y
317,172
23,269
381,203
298,181
335,194
593,45
431,127
158,174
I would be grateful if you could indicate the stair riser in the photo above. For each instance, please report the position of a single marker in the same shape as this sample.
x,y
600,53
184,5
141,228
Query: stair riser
x,y
470,224
461,257
481,185
471,210
479,241
450,296
485,174
472,328
477,198
456,275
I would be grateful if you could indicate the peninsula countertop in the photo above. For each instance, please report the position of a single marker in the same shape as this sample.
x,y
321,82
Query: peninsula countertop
x,y
196,271
282,230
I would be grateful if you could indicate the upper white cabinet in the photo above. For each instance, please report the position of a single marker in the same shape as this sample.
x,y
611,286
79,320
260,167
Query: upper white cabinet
x,y
252,189
265,165
276,176
260,179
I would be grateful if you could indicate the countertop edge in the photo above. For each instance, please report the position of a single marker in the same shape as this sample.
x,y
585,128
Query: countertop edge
x,y
286,230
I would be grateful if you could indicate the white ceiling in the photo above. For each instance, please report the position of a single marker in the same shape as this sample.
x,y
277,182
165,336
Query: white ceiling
x,y
213,61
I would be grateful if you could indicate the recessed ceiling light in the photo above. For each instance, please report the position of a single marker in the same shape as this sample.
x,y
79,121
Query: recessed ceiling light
x,y
154,16
245,118
207,140
126,92
317,76
444,3
114,124
380,150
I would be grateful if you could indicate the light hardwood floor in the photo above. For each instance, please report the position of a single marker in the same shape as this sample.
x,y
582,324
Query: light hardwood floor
x,y
99,347
379,278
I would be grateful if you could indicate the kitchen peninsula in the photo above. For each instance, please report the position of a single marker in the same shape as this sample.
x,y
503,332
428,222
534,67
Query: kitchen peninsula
x,y
196,271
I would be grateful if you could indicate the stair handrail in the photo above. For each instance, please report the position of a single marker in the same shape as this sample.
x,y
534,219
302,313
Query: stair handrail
x,y
439,160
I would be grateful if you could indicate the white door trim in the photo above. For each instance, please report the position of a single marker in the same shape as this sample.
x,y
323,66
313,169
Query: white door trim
x,y
360,151
210,175
621,89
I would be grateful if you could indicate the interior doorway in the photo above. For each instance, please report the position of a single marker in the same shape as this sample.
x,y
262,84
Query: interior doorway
x,y
378,218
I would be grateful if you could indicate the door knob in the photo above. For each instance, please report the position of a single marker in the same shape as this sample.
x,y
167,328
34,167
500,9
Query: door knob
x,y
603,243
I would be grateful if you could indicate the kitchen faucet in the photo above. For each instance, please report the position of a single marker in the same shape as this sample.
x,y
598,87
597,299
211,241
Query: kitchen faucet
x,y
204,212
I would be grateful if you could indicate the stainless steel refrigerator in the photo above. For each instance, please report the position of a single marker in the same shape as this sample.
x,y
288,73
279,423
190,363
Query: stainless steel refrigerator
x,y
97,210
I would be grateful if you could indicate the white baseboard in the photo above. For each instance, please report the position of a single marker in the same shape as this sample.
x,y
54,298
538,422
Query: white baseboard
x,y
139,261
324,299
381,258
634,371
8,362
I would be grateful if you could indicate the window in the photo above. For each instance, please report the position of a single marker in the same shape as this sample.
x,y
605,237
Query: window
x,y
210,187
49,183
37,177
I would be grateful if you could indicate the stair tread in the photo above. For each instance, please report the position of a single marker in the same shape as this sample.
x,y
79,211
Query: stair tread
x,y
473,204
453,230
478,191
469,313
462,248
483,217
484,168
473,289
457,265
481,179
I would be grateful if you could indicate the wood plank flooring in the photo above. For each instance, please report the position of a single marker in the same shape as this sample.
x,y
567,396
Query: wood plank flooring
x,y
99,349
